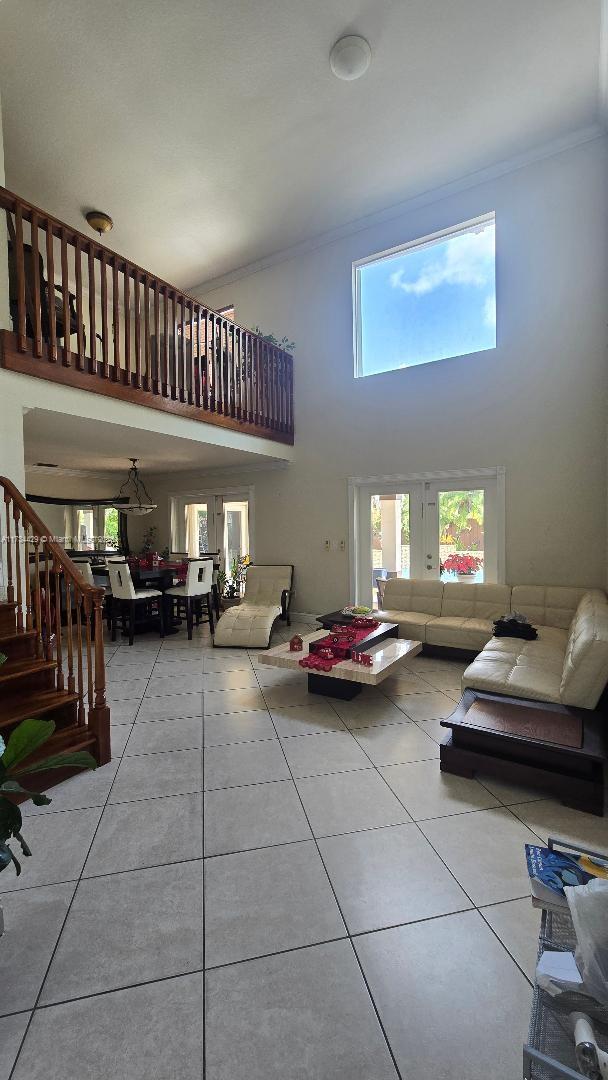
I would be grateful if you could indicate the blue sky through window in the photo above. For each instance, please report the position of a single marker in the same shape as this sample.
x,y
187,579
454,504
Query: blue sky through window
x,y
430,302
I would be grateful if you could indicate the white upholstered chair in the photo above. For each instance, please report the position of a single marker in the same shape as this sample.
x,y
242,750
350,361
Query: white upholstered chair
x,y
85,569
267,597
126,598
195,593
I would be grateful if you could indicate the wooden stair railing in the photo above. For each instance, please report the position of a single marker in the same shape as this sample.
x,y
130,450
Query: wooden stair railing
x,y
51,630
137,337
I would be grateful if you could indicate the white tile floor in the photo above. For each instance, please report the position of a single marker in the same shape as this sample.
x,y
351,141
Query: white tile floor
x,y
366,917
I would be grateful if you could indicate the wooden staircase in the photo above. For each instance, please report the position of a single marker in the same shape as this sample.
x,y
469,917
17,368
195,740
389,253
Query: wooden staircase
x,y
51,632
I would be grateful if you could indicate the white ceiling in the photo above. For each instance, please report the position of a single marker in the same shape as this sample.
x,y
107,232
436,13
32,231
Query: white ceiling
x,y
74,442
215,134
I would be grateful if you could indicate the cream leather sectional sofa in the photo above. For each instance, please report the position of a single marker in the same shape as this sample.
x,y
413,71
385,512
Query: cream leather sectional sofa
x,y
567,663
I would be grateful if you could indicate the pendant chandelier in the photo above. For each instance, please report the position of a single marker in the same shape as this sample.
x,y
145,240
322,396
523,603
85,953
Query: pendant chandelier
x,y
135,490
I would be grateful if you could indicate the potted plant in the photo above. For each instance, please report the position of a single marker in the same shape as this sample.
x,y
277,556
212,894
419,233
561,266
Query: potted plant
x,y
231,586
464,566
24,741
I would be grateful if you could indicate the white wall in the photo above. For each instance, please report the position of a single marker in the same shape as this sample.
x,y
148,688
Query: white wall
x,y
535,405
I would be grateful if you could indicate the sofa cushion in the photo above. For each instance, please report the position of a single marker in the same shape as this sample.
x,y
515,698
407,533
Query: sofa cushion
x,y
472,601
585,671
413,594
458,632
531,669
412,624
547,605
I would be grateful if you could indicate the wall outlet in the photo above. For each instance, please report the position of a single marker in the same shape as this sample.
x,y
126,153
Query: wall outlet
x,y
342,545
327,544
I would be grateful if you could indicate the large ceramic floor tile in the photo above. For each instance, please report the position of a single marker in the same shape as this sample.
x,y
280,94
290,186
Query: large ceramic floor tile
x,y
427,792
171,707
336,751
549,818
444,679
33,921
290,694
144,1033
244,763
452,1002
485,852
163,685
396,744
387,876
217,661
369,712
405,682
301,1016
433,729
509,794
87,788
517,924
59,844
147,833
159,735
229,701
346,802
129,928
12,1030
123,712
126,689
265,901
152,775
262,815
242,679
306,719
248,726
119,736
435,706
165,665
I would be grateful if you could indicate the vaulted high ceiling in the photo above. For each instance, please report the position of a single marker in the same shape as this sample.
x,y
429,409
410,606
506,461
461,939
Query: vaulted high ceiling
x,y
215,134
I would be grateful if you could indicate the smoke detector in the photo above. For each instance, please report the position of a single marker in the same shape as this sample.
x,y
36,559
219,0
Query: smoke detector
x,y
350,57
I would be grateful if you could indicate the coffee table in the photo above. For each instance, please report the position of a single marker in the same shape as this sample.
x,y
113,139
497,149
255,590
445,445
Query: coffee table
x,y
346,679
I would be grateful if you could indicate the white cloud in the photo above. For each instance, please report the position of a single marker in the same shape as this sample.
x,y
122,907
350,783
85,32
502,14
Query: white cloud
x,y
467,259
489,310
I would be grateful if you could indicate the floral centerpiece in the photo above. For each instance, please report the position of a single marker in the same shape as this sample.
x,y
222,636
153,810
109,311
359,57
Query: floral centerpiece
x,y
462,565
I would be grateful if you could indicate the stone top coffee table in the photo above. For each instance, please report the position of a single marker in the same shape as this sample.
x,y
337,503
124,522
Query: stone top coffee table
x,y
346,678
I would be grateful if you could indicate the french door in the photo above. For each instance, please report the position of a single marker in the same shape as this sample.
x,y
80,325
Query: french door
x,y
445,529
212,523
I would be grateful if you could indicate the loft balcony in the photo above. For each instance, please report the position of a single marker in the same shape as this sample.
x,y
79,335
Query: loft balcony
x,y
86,317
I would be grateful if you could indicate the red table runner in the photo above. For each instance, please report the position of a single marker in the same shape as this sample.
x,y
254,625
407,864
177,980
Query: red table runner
x,y
337,646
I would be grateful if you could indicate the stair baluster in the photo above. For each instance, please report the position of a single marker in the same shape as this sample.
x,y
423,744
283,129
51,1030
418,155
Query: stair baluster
x,y
58,634
37,599
80,683
18,572
69,599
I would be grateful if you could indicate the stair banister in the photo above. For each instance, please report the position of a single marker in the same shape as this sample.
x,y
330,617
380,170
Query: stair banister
x,y
41,608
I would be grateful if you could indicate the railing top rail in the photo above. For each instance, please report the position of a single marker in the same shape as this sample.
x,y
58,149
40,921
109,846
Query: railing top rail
x,y
9,200
41,530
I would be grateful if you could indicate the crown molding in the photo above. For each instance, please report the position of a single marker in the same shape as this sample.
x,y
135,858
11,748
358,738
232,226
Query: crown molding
x,y
492,172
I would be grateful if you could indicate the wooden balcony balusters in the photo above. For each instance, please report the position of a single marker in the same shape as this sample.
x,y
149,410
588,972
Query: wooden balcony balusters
x,y
136,337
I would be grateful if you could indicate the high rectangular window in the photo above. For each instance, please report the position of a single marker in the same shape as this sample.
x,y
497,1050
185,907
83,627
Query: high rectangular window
x,y
429,300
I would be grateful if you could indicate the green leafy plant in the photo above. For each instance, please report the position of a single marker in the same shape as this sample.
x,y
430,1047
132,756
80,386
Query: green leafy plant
x,y
24,741
230,586
285,344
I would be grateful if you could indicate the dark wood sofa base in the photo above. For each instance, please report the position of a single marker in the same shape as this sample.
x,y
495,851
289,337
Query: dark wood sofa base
x,y
573,775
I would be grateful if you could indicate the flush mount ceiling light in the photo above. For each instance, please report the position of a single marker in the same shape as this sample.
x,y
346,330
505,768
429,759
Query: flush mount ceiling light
x,y
134,488
350,57
99,221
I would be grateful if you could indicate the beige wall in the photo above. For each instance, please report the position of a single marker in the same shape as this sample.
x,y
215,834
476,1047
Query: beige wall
x,y
536,405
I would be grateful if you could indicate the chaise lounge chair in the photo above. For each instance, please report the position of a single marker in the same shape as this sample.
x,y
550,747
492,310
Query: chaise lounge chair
x,y
267,598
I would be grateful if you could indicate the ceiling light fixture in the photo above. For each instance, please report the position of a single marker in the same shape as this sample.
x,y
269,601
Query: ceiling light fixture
x,y
350,57
133,488
99,221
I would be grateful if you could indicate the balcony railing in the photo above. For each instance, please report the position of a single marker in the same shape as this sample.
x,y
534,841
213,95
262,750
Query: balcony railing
x,y
137,337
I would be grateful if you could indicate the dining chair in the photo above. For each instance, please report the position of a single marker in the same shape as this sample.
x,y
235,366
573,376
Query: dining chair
x,y
195,593
85,569
126,598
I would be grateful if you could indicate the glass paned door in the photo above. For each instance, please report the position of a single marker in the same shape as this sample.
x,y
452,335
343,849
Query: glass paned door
x,y
389,539
199,523
460,531
236,531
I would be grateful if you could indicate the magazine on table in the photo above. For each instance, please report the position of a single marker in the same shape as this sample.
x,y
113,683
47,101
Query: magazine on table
x,y
550,870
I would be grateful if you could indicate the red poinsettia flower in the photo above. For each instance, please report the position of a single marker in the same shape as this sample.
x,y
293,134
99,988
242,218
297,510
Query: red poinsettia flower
x,y
462,564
